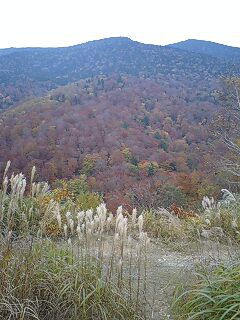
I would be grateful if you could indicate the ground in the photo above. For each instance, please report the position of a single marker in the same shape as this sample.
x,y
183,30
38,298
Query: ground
x,y
168,267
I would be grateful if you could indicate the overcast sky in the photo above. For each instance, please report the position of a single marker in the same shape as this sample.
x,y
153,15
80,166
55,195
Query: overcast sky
x,y
68,22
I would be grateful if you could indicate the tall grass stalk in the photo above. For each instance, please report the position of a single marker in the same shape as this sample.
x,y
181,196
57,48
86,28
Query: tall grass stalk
x,y
84,263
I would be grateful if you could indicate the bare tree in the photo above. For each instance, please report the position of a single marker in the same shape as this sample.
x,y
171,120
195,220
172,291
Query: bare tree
x,y
229,126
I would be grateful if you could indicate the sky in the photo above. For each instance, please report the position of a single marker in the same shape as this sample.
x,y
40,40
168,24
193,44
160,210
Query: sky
x,y
45,23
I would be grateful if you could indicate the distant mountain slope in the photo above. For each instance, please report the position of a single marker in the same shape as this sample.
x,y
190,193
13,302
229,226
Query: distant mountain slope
x,y
211,48
31,72
8,51
122,132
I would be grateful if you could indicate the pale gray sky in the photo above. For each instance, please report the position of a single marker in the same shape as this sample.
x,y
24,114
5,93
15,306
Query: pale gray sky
x,y
68,22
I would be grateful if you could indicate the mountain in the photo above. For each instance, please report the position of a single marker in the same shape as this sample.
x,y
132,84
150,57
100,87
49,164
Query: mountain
x,y
213,49
131,117
7,51
130,136
31,72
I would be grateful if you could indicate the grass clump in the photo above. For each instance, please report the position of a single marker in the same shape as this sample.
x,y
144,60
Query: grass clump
x,y
46,281
215,296
59,262
216,221
162,224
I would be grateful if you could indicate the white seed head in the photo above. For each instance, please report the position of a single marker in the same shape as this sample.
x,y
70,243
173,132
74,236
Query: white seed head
x,y
119,210
138,249
59,220
119,265
234,224
125,226
134,216
71,225
79,233
68,216
129,241
148,241
80,216
92,225
109,221
9,235
102,210
208,222
65,230
140,223
97,221
7,167
119,220
89,231
120,227
116,237
33,173
143,237
58,216
102,214
89,214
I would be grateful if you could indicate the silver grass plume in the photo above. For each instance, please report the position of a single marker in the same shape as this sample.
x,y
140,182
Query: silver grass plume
x,y
134,216
6,169
71,225
65,230
58,216
140,223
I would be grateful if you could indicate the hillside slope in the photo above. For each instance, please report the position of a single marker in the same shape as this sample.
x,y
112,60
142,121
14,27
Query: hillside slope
x,y
31,72
126,134
220,51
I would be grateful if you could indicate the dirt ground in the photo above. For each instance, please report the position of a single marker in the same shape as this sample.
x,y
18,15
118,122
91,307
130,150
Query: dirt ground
x,y
168,268
173,264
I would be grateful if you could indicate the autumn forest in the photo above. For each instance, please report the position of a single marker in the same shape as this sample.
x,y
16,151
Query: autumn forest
x,y
138,125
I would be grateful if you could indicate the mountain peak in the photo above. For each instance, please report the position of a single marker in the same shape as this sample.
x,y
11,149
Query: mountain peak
x,y
199,42
214,49
110,40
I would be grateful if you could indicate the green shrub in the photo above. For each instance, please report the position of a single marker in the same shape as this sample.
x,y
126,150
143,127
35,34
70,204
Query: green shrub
x,y
88,200
73,186
77,191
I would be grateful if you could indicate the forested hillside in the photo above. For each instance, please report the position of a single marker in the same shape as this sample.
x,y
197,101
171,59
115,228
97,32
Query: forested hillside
x,y
29,72
127,135
231,54
130,119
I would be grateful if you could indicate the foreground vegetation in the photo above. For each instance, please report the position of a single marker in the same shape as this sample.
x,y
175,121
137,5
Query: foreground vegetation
x,y
44,281
60,263
61,258
215,296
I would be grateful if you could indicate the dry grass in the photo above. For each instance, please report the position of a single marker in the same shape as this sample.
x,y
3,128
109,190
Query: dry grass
x,y
45,281
60,262
69,275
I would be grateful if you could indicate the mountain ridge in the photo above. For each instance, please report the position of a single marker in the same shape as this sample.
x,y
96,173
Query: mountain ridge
x,y
210,48
119,37
31,72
